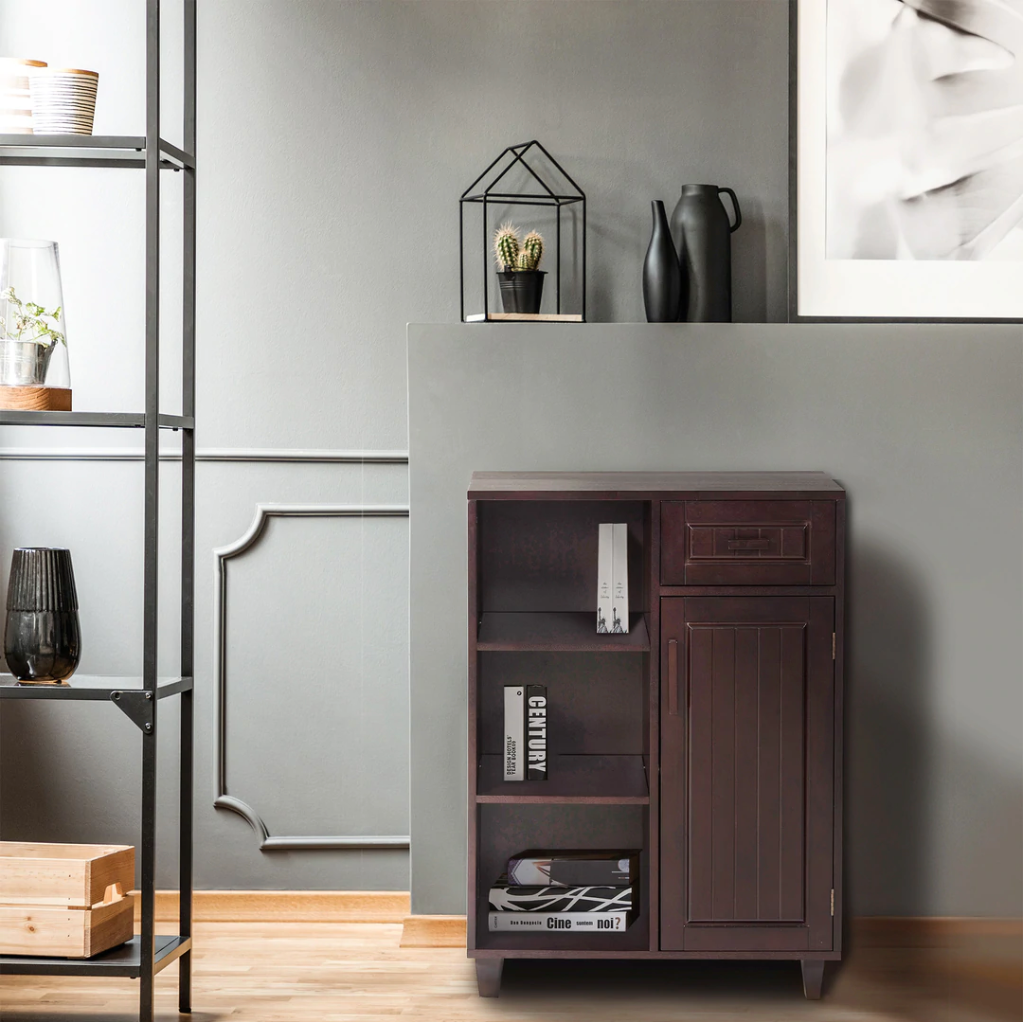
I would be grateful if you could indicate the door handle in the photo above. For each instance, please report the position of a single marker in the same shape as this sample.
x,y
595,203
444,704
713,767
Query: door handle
x,y
673,677
747,544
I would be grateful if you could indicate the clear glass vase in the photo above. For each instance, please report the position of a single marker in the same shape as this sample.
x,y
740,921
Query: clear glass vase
x,y
34,372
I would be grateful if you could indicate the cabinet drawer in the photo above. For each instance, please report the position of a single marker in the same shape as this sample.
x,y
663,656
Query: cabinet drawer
x,y
748,542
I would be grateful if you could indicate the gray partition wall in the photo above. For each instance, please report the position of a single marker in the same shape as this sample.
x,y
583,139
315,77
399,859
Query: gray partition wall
x,y
921,424
311,261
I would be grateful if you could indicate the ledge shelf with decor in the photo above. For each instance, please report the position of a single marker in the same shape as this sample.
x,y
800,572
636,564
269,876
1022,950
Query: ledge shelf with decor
x,y
139,697
708,738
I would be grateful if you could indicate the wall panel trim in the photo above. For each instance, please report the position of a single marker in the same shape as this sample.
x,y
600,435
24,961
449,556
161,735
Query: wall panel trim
x,y
222,799
313,455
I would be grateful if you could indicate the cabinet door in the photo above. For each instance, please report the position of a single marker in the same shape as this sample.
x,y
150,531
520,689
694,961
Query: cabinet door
x,y
747,715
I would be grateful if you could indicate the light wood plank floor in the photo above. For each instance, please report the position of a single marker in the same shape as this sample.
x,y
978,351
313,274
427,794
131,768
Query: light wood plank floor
x,y
356,972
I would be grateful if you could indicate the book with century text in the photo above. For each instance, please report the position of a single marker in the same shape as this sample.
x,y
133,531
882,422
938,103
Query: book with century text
x,y
537,733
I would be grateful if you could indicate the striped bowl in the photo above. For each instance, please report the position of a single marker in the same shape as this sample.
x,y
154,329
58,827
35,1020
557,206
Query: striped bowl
x,y
63,101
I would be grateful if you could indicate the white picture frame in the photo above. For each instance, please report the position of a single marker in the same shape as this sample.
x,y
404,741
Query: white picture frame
x,y
871,288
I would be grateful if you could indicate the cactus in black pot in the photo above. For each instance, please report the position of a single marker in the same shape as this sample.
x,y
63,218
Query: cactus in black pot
x,y
520,282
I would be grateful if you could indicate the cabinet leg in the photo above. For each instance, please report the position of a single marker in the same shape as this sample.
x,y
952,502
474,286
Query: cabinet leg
x,y
488,976
813,970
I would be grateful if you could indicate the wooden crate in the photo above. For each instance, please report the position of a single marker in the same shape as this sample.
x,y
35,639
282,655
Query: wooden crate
x,y
68,901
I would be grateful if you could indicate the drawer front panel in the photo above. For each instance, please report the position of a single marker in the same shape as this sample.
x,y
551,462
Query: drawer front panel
x,y
748,542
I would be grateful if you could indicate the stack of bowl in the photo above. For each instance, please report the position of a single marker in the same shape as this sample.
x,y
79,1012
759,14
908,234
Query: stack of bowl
x,y
15,98
63,101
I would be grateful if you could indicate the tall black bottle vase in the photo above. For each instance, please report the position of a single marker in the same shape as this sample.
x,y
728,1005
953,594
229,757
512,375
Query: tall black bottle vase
x,y
661,278
42,638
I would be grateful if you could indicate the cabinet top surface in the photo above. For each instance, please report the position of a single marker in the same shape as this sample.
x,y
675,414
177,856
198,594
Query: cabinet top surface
x,y
647,485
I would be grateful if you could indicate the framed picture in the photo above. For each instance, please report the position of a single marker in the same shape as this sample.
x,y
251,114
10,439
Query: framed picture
x,y
906,160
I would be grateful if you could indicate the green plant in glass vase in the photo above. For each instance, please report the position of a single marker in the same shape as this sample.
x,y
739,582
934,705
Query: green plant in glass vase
x,y
28,335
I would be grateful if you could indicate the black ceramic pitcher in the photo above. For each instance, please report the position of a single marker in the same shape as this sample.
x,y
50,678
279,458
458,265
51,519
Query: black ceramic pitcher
x,y
701,230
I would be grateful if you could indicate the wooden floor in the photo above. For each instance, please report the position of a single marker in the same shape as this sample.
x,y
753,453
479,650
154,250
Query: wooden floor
x,y
351,972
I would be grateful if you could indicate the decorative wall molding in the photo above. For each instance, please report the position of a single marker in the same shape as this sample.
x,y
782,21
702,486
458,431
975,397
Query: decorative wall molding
x,y
222,799
313,455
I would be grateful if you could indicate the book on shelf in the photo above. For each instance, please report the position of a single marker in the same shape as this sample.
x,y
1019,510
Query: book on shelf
x,y
513,758
506,898
619,621
574,869
537,732
525,752
604,578
590,922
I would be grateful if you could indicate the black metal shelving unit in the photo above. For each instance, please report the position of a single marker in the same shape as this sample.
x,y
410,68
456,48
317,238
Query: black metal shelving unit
x,y
139,697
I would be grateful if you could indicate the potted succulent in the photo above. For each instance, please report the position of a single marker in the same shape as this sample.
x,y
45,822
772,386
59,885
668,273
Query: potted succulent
x,y
520,282
28,337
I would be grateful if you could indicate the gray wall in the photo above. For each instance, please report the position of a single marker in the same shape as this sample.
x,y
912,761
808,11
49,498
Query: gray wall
x,y
334,140
921,424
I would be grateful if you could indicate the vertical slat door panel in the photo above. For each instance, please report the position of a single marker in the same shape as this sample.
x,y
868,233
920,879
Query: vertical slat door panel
x,y
746,856
745,768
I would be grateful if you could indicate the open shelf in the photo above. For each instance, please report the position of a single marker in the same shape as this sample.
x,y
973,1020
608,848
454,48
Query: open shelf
x,y
124,961
87,151
558,632
88,687
580,780
112,420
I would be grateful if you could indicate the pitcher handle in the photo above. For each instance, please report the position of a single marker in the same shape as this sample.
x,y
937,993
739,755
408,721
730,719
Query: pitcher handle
x,y
735,206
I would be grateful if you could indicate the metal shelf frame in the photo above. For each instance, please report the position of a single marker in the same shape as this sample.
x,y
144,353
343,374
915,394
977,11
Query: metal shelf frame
x,y
139,698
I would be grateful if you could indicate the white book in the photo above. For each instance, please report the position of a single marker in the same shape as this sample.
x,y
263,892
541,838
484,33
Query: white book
x,y
619,621
514,751
604,578
548,922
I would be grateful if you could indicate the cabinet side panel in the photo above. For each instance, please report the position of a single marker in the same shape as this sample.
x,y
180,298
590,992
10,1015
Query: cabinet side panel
x,y
473,815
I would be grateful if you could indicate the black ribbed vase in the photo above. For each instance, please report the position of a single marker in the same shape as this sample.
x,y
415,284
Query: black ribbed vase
x,y
662,280
42,639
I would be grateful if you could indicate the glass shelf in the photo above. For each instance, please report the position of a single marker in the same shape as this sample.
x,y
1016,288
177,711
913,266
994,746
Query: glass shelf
x,y
124,961
558,632
88,687
87,151
114,420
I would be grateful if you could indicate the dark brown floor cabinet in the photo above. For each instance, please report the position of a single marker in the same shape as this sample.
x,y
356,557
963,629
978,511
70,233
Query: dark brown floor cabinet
x,y
709,736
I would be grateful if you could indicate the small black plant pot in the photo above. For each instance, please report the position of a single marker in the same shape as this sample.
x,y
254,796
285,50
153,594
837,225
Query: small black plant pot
x,y
42,639
521,290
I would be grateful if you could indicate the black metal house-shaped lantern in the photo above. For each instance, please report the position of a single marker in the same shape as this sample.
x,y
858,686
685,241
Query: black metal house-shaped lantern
x,y
488,191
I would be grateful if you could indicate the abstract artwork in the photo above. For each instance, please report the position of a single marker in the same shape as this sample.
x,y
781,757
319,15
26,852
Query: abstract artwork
x,y
908,159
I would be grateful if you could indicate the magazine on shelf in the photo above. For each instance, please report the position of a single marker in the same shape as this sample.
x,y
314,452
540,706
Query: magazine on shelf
x,y
504,898
573,869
